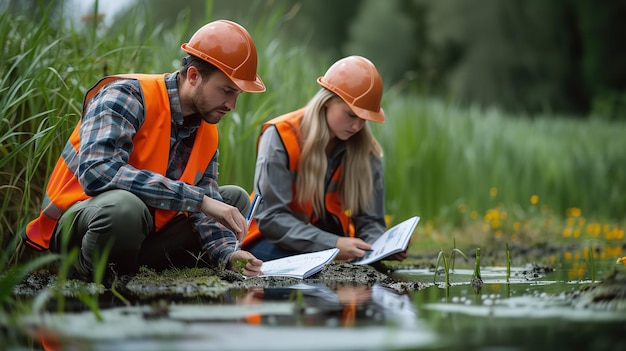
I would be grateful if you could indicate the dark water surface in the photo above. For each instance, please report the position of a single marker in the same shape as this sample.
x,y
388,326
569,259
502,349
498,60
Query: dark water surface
x,y
533,310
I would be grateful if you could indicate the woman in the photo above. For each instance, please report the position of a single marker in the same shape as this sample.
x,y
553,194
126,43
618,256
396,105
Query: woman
x,y
319,170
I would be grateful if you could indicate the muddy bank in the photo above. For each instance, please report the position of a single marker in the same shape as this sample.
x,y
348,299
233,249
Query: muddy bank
x,y
608,295
209,284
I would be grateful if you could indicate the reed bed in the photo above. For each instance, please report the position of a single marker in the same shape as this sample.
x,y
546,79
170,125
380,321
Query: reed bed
x,y
442,161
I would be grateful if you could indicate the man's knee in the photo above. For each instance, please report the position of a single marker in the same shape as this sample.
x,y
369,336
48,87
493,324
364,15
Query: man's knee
x,y
130,207
111,215
124,211
236,196
117,218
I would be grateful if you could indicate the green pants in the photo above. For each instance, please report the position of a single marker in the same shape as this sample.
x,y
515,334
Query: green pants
x,y
120,218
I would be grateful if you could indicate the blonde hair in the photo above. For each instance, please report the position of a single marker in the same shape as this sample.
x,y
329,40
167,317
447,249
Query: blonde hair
x,y
355,183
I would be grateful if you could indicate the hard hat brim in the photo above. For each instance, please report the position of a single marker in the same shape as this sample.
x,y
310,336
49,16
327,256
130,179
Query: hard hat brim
x,y
373,116
250,86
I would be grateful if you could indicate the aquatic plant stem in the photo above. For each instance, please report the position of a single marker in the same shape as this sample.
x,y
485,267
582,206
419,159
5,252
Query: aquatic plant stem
x,y
477,265
117,293
591,263
477,280
452,256
508,262
446,265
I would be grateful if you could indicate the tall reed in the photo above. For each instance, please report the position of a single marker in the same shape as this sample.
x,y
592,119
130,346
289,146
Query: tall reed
x,y
438,156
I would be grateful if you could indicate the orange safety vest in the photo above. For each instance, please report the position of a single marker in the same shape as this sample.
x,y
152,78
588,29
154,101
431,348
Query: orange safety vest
x,y
288,127
150,152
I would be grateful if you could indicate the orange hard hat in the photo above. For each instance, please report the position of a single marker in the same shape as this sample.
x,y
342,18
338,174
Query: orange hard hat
x,y
229,47
356,80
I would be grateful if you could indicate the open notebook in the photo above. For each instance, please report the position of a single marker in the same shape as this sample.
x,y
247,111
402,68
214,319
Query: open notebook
x,y
299,266
395,239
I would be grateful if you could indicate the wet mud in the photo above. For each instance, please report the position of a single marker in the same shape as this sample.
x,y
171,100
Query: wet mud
x,y
209,284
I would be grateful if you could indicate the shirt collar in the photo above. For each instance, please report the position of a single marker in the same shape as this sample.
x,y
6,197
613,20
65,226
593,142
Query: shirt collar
x,y
339,149
172,92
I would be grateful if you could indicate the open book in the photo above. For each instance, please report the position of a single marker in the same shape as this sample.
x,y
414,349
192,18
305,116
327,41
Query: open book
x,y
394,240
299,266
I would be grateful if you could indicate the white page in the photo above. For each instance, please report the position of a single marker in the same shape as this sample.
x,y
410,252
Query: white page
x,y
394,240
299,265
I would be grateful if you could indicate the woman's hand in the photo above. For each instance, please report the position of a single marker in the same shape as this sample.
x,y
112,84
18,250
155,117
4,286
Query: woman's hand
x,y
226,214
399,256
351,248
252,268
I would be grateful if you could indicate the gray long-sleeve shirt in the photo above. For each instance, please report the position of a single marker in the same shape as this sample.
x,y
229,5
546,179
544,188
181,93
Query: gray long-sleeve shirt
x,y
292,231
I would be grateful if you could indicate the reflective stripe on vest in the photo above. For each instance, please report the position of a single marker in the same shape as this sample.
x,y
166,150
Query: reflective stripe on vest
x,y
288,127
150,152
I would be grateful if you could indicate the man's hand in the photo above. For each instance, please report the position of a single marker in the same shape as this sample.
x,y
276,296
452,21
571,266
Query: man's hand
x,y
251,269
351,248
226,214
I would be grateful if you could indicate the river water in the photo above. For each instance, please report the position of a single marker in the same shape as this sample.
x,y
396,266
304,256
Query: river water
x,y
530,310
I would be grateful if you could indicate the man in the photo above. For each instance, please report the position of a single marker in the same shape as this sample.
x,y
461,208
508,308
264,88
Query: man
x,y
137,179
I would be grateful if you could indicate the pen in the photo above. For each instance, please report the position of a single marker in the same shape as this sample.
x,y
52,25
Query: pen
x,y
255,204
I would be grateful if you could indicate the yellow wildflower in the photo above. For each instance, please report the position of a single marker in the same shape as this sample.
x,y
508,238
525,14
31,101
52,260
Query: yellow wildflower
x,y
573,212
534,200
493,192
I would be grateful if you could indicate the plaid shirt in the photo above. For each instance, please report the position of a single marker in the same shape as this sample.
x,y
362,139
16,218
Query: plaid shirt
x,y
108,126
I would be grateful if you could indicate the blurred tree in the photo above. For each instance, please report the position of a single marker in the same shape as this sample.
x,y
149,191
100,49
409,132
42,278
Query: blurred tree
x,y
384,34
603,69
411,61
429,67
198,12
323,24
530,55
166,12
558,56
516,54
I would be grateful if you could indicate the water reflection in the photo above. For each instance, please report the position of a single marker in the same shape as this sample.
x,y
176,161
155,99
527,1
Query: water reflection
x,y
345,305
303,316
528,312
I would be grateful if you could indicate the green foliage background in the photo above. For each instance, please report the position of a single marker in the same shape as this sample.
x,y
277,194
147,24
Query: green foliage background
x,y
441,153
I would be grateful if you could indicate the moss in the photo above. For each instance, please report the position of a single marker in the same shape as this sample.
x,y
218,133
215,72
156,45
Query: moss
x,y
186,282
240,263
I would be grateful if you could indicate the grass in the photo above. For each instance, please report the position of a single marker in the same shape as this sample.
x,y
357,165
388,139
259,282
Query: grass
x,y
449,157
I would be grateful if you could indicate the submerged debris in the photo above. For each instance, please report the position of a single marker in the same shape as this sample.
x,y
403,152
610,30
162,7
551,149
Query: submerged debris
x,y
534,271
43,280
607,295
34,283
351,273
331,275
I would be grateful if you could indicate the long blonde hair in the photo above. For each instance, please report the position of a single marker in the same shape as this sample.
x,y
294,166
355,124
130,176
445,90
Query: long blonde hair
x,y
355,183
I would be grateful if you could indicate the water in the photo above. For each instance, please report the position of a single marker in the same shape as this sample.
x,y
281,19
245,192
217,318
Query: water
x,y
532,311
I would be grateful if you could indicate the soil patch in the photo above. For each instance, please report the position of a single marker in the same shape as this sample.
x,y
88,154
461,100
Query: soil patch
x,y
205,283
